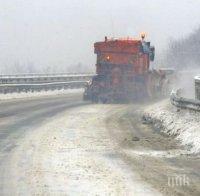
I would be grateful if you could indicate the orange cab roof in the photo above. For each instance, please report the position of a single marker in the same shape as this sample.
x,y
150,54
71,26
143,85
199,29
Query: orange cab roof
x,y
125,45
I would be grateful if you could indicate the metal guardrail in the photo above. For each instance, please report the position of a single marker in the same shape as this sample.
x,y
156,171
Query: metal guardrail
x,y
43,78
185,103
11,88
43,75
38,82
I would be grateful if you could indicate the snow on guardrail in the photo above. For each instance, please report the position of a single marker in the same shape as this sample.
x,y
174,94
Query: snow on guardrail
x,y
43,84
42,78
182,102
42,93
26,87
38,82
2,76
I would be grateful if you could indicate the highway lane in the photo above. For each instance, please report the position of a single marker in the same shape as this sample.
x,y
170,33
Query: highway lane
x,y
40,139
17,117
60,145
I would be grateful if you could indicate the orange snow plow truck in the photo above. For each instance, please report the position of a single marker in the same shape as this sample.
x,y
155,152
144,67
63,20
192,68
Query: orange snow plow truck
x,y
123,72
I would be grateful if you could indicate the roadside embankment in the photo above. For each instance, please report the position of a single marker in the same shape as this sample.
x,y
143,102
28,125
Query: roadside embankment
x,y
182,124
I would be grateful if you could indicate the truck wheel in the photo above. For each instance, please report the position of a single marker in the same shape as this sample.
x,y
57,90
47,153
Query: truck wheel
x,y
104,100
85,97
95,99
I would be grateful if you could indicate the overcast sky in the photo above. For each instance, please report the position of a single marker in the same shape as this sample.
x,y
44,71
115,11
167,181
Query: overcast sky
x,y
62,32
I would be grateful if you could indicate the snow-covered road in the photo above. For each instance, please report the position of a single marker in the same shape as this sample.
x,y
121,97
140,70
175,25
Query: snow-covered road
x,y
61,145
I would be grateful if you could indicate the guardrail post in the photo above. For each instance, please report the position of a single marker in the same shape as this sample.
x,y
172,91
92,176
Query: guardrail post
x,y
197,87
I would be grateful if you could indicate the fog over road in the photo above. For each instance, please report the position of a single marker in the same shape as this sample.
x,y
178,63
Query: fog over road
x,y
60,145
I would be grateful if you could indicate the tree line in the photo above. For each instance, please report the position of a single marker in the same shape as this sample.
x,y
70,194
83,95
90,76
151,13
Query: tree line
x,y
184,53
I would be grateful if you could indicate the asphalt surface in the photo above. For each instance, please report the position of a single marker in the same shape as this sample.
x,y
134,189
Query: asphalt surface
x,y
61,145
19,116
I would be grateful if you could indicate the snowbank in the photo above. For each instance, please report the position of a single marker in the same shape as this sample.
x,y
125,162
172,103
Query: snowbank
x,y
38,94
183,124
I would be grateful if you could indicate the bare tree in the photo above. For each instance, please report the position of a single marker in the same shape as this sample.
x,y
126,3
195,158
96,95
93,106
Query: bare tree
x,y
184,53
